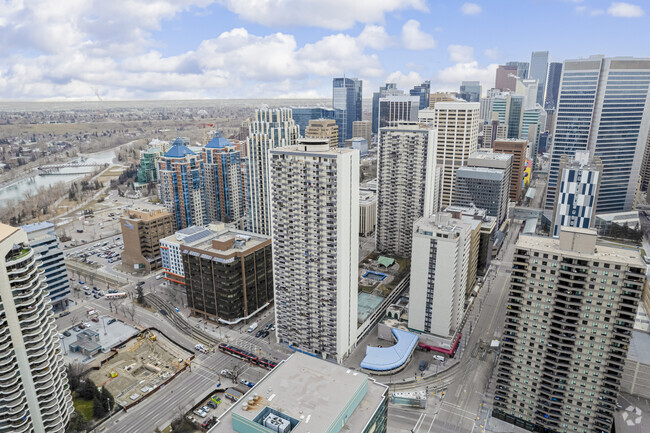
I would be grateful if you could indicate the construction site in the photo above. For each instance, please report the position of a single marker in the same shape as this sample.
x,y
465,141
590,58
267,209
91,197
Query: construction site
x,y
140,366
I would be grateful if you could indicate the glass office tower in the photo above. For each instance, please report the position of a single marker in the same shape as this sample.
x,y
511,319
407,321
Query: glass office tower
x,y
346,101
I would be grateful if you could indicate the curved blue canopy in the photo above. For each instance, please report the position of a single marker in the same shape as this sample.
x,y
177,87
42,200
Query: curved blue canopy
x,y
390,358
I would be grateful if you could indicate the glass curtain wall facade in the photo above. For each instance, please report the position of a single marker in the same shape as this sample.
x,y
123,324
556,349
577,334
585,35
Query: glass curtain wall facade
x,y
346,101
603,107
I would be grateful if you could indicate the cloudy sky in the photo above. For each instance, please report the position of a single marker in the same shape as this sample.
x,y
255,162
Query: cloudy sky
x,y
188,49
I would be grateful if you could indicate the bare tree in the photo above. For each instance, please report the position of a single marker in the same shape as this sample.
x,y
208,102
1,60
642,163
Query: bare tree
x,y
75,371
130,310
237,370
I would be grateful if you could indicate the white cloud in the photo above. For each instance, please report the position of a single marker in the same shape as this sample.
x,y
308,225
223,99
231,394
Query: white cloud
x,y
449,79
405,81
625,10
331,14
471,9
492,53
460,53
415,39
375,37
581,9
596,12
235,63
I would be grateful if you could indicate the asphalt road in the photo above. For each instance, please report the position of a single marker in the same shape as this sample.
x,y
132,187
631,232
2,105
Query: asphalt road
x,y
462,409
189,387
464,406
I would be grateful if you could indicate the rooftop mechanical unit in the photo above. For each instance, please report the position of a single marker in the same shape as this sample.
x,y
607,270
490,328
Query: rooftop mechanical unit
x,y
277,424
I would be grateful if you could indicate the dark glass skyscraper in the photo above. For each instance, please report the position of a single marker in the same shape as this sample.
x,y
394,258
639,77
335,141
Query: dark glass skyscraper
x,y
538,70
423,91
553,85
470,91
515,116
302,116
383,91
346,101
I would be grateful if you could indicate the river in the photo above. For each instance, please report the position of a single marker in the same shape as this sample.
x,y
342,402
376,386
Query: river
x,y
16,190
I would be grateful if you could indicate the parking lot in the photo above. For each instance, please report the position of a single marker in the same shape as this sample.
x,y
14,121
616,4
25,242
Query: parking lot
x,y
205,414
99,253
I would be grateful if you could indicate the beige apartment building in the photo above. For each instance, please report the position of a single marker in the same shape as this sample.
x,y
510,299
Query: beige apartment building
x,y
440,97
571,309
142,230
457,124
324,128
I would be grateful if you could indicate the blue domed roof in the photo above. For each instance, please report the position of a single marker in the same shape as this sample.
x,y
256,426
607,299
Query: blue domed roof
x,y
218,142
178,151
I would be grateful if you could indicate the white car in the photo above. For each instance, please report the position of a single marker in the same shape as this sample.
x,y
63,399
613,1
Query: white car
x,y
200,413
87,325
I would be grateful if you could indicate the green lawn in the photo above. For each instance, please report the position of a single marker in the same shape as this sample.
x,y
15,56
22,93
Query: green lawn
x,y
85,407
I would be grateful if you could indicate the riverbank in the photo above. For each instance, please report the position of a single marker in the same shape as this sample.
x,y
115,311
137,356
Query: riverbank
x,y
15,189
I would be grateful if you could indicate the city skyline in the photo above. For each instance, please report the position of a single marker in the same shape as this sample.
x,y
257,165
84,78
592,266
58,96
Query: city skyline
x,y
204,49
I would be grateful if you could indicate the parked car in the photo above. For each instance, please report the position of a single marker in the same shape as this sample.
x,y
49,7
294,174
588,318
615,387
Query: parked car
x,y
110,322
64,313
209,422
200,413
96,296
259,333
67,333
76,329
212,404
247,383
95,319
423,365
265,334
61,336
269,326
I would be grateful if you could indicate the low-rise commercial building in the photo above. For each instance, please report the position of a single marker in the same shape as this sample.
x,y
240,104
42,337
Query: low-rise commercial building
x,y
308,395
170,249
358,143
142,230
229,275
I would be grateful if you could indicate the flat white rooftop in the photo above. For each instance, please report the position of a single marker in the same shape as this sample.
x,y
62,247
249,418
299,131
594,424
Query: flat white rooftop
x,y
314,392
